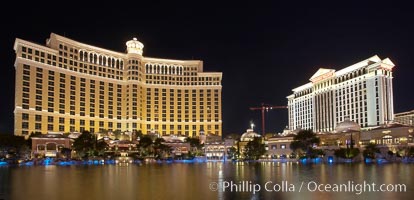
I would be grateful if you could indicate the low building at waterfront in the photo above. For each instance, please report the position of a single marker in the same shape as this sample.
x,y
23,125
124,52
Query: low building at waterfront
x,y
219,150
406,118
249,135
393,137
49,145
246,137
278,146
122,145
209,138
345,133
178,148
388,137
174,138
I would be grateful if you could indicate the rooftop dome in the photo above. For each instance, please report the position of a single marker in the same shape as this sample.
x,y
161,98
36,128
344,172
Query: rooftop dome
x,y
249,135
134,47
347,126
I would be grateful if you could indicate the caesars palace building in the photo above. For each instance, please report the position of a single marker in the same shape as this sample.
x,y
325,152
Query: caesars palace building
x,y
68,86
363,92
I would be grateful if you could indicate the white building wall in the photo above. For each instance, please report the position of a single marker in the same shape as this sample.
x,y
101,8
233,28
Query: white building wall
x,y
371,101
350,92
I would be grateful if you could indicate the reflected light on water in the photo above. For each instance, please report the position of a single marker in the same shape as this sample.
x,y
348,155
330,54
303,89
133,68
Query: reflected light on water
x,y
191,180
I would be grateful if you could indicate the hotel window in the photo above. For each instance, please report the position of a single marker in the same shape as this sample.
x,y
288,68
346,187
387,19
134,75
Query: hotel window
x,y
25,125
50,127
25,116
38,126
38,118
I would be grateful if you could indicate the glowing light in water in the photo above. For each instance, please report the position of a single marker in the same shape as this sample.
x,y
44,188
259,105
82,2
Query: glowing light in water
x,y
48,161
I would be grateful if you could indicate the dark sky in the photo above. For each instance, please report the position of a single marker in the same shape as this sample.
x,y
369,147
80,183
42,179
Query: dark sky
x,y
263,49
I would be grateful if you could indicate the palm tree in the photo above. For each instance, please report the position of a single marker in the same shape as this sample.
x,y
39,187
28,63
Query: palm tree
x,y
66,152
304,141
254,149
195,143
146,146
370,150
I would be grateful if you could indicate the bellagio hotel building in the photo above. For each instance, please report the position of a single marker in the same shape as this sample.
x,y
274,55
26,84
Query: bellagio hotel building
x,y
69,86
363,92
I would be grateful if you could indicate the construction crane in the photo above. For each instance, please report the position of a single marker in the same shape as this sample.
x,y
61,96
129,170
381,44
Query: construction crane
x,y
263,108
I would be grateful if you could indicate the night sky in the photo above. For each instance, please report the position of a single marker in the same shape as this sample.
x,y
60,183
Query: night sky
x,y
263,49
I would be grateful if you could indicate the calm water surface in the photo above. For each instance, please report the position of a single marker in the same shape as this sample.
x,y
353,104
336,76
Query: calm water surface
x,y
196,181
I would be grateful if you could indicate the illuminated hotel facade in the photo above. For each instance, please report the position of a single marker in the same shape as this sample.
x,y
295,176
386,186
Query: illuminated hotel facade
x,y
68,86
406,118
363,92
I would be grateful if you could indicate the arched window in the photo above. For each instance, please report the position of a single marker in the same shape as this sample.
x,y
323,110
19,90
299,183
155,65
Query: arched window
x,y
104,61
100,59
81,55
95,59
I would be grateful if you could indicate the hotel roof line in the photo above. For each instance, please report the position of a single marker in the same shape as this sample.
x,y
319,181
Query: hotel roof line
x,y
348,69
404,113
54,36
65,39
33,45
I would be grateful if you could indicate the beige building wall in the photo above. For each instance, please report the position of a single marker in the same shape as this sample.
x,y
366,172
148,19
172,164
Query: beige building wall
x,y
68,86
